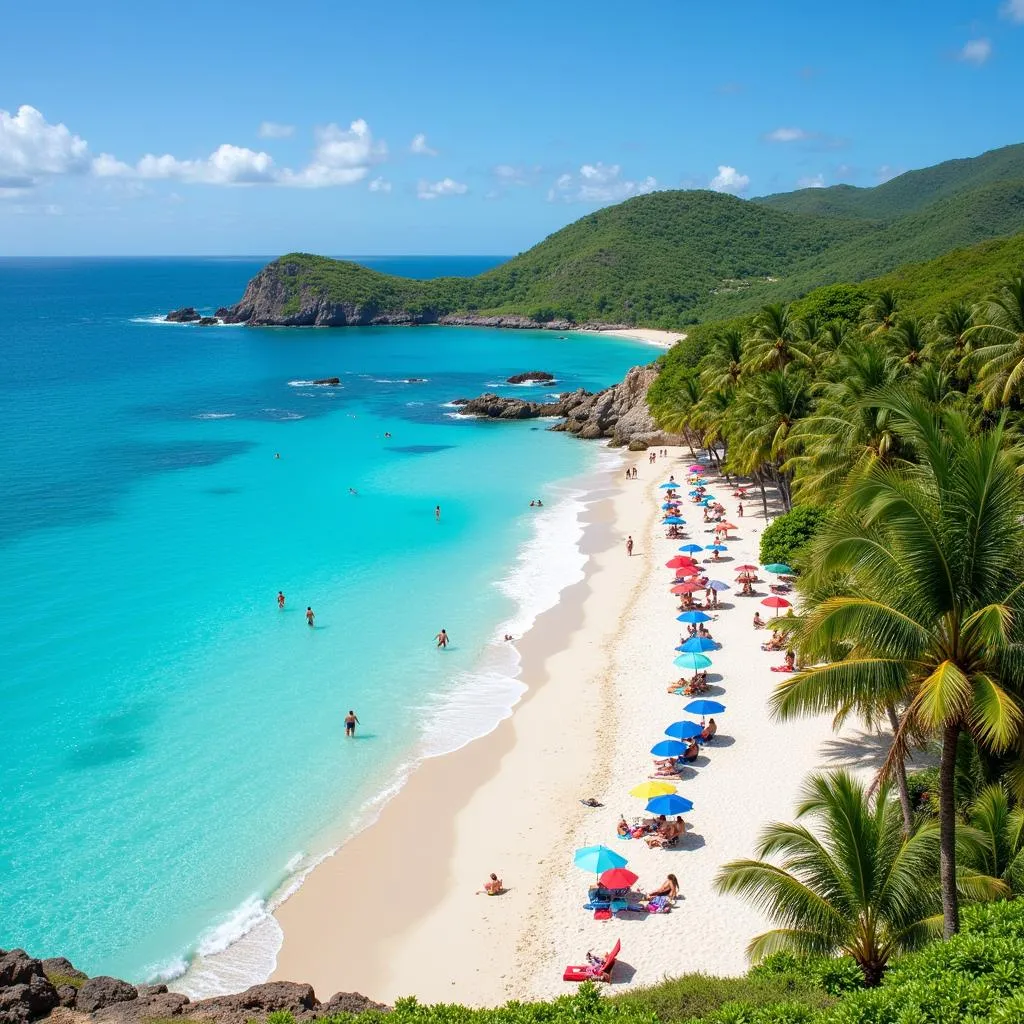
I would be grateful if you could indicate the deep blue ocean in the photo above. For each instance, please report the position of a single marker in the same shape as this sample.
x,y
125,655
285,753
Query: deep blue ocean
x,y
171,746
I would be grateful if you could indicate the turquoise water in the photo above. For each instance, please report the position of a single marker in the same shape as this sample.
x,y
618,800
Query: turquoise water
x,y
172,743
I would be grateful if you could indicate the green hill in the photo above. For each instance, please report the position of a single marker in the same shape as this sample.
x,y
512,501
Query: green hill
x,y
675,258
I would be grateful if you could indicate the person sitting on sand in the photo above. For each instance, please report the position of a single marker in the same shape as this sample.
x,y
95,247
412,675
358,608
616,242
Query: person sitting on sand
x,y
748,590
492,887
709,730
623,829
790,660
692,752
669,888
758,621
679,684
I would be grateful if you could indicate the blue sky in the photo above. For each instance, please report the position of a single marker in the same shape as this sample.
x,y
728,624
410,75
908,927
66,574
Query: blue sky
x,y
465,127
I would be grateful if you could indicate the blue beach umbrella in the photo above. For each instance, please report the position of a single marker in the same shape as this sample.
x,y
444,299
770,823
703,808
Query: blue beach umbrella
x,y
697,645
671,485
596,859
694,492
718,585
668,748
675,521
716,547
670,803
692,661
670,505
778,568
704,707
694,616
684,730
690,549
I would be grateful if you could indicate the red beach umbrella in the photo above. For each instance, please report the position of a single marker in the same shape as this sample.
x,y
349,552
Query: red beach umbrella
x,y
775,602
696,469
617,878
688,570
687,588
746,568
679,562
746,577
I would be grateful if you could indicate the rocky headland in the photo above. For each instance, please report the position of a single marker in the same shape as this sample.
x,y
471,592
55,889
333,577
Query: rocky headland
x,y
33,990
619,413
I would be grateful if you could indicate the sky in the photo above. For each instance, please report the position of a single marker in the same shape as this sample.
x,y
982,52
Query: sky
x,y
461,126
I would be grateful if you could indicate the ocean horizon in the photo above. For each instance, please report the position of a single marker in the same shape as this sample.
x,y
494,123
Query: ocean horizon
x,y
174,757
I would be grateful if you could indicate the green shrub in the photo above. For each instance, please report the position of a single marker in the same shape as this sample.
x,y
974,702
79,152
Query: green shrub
x,y
783,539
56,980
280,1017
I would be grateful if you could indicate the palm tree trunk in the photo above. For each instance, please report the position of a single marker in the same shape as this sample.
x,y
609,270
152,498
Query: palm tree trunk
x,y
901,777
947,831
764,497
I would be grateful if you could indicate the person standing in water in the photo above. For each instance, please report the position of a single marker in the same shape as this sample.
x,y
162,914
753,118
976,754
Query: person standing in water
x,y
351,720
280,599
309,616
629,546
437,512
442,639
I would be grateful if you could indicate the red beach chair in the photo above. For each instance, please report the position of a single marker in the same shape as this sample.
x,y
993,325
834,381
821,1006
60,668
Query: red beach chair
x,y
595,972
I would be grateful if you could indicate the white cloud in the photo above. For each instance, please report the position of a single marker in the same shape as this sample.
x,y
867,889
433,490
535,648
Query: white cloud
x,y
420,147
975,51
598,183
226,165
341,157
787,135
380,185
275,130
811,181
509,175
728,179
32,149
1014,10
436,189
886,173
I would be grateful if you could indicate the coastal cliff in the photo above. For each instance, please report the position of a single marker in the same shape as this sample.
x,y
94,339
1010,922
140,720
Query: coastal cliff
x,y
33,990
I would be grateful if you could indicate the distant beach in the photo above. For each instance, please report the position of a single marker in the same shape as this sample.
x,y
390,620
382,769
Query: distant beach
x,y
660,339
596,667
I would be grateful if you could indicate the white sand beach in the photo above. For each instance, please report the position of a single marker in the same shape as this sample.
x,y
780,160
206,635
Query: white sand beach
x,y
661,339
395,911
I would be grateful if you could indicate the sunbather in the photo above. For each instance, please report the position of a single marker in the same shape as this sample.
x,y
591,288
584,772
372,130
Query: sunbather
x,y
492,887
623,829
758,621
669,888
709,730
692,752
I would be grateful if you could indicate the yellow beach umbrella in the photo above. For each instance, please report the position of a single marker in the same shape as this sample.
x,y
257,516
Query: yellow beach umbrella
x,y
647,790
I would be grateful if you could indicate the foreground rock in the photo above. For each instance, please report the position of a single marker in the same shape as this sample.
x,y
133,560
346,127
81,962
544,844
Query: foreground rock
x,y
31,989
532,377
185,315
619,413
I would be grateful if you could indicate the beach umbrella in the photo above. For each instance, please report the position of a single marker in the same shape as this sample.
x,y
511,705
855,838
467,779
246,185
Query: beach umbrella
x,y
775,602
618,878
716,547
694,616
674,520
726,527
668,748
777,568
671,803
682,731
652,788
746,568
691,548
717,585
696,469
690,587
694,491
746,577
697,645
678,562
596,859
704,707
692,661
671,485
670,504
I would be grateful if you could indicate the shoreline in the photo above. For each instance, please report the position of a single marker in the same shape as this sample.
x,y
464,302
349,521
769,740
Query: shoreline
x,y
648,335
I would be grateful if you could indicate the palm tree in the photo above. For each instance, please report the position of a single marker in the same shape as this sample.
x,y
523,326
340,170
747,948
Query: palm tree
x,y
910,338
999,325
880,315
847,434
992,843
777,339
915,591
760,422
674,405
950,343
856,885
723,367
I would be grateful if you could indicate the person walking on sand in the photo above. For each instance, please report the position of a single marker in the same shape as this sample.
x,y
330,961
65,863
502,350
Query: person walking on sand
x,y
351,720
309,617
629,546
280,599
442,638
739,510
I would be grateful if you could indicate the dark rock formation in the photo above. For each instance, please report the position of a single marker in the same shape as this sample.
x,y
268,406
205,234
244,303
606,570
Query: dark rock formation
x,y
332,381
208,321
533,376
185,315
26,994
103,991
619,412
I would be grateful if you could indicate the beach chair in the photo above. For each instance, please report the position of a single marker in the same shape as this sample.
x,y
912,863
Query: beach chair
x,y
595,972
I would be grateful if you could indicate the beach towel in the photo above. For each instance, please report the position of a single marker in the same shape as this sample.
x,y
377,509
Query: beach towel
x,y
659,905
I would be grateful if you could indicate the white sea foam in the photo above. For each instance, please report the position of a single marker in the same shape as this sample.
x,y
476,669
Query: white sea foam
x,y
461,416
311,384
410,405
214,416
283,414
450,405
